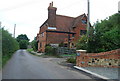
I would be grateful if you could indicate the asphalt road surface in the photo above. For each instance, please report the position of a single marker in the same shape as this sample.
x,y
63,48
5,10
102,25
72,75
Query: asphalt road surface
x,y
26,66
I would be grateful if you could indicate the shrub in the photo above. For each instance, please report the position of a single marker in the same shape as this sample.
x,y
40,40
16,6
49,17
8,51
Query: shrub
x,y
49,50
82,43
9,45
71,60
34,45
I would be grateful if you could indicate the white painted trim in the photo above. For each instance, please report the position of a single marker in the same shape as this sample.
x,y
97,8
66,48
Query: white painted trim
x,y
80,68
81,50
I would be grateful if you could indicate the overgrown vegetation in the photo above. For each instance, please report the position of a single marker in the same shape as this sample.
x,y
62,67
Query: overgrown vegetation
x,y
23,41
82,43
49,50
34,44
9,46
106,36
71,60
30,49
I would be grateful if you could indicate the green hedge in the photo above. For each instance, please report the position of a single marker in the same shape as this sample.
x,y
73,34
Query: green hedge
x,y
9,45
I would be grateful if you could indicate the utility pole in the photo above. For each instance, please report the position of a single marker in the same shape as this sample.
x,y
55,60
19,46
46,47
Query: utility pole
x,y
88,18
14,30
119,7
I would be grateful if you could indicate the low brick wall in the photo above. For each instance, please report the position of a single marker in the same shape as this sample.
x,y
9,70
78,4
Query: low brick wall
x,y
103,59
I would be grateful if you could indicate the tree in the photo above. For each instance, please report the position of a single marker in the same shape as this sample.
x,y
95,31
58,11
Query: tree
x,y
23,44
106,36
23,41
34,44
82,43
9,44
22,37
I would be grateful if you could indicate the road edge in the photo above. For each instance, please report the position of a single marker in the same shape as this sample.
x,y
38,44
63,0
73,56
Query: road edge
x,y
95,74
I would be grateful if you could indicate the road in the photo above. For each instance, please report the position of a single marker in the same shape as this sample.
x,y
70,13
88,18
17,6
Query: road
x,y
26,66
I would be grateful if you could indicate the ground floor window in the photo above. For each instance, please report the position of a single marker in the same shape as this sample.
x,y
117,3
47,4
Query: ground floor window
x,y
83,32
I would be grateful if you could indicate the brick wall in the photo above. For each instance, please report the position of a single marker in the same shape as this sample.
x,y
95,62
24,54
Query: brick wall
x,y
56,38
79,26
103,59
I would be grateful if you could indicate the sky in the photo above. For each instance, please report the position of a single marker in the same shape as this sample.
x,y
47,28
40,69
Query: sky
x,y
29,15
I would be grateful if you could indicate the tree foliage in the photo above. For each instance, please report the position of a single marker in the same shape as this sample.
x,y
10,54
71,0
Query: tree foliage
x,y
23,41
22,37
23,44
106,35
82,43
9,44
34,45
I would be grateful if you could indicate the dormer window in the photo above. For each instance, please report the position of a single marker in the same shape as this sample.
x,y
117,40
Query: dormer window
x,y
84,21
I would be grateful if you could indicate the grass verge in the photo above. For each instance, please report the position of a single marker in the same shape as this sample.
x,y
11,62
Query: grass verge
x,y
52,55
43,55
5,59
69,55
30,50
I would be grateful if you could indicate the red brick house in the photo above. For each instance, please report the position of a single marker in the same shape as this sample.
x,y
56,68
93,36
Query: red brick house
x,y
61,29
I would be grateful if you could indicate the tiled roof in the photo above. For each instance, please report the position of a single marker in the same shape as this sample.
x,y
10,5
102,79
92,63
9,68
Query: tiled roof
x,y
65,23
77,20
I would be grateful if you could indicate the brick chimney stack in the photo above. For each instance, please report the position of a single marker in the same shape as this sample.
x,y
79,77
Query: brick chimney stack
x,y
52,15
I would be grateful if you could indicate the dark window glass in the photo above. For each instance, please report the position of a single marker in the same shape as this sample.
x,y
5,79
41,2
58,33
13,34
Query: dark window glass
x,y
83,32
84,21
73,35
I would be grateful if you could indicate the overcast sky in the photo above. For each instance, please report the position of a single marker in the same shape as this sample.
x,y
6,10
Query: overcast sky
x,y
29,15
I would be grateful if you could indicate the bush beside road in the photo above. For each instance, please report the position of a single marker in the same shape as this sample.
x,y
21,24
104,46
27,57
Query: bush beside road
x,y
9,46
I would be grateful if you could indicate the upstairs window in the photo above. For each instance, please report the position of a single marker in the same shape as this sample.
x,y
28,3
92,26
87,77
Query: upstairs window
x,y
84,21
83,32
42,34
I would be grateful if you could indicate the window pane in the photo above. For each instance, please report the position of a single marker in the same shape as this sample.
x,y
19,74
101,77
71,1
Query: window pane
x,y
83,32
84,21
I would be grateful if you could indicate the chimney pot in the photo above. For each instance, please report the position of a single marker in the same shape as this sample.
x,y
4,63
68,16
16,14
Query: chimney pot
x,y
52,3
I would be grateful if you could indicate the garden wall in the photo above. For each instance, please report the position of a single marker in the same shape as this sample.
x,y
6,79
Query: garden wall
x,y
103,59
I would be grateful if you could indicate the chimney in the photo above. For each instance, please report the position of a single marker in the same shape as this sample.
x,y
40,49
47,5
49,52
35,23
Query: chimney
x,y
52,15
